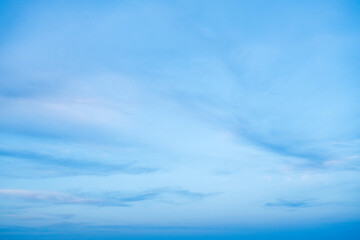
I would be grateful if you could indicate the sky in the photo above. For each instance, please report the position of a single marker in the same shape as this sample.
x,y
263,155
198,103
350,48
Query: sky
x,y
180,119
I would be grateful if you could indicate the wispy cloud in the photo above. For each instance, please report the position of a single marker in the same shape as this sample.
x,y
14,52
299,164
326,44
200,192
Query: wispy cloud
x,y
52,165
291,204
43,197
169,195
290,148
18,216
115,198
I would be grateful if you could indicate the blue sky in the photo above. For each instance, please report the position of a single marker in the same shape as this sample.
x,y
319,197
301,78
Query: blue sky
x,y
190,119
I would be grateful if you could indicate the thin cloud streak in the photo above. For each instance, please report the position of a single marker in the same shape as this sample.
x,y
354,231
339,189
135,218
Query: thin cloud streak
x,y
67,166
106,199
291,204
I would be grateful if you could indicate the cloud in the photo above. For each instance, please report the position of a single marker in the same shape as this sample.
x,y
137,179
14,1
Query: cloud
x,y
167,195
38,217
43,197
53,166
291,204
114,198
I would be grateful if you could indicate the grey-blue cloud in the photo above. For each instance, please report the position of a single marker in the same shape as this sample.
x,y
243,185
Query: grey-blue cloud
x,y
64,166
114,198
291,204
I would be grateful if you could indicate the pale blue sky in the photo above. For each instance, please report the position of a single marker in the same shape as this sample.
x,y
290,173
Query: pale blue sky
x,y
180,117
